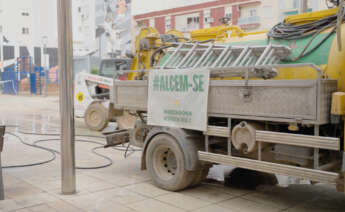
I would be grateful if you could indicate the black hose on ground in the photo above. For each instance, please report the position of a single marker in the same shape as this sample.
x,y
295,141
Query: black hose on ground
x,y
109,163
54,152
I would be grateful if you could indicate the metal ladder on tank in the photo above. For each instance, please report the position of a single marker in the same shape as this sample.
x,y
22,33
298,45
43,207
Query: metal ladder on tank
x,y
224,60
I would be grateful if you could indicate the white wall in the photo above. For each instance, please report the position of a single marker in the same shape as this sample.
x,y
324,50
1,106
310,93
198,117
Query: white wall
x,y
321,5
146,6
84,20
42,21
269,14
270,11
13,21
45,22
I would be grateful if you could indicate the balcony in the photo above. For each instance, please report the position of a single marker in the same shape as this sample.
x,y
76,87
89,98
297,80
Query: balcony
x,y
249,20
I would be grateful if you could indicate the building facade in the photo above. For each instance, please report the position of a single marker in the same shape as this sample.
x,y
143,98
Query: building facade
x,y
250,15
274,11
102,26
84,28
26,28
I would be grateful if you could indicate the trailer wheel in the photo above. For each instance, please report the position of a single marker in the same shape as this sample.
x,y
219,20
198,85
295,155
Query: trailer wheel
x,y
201,175
165,162
96,117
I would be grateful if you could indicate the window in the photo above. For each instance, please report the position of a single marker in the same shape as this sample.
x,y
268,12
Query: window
x,y
228,12
295,4
25,30
167,23
247,12
208,20
193,23
109,67
252,12
188,22
290,4
143,23
152,22
292,7
248,15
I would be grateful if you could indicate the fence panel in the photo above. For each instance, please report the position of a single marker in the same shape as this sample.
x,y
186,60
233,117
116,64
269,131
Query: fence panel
x,y
9,81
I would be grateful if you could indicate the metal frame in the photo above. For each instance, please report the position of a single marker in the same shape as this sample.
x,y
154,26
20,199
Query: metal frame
x,y
315,141
196,55
121,88
226,60
263,166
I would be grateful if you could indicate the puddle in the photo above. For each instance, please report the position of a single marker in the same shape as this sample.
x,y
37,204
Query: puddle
x,y
32,123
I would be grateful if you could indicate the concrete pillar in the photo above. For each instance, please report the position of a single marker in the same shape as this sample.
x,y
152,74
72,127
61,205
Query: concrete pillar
x,y
66,90
304,6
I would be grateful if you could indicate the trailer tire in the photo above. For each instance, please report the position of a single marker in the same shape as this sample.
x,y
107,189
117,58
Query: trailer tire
x,y
201,175
96,117
166,164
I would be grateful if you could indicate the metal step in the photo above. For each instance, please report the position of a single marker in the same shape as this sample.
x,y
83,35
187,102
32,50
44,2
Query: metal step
x,y
217,131
263,166
319,142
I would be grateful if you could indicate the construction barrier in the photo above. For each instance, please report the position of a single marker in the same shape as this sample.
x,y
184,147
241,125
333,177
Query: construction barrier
x,y
9,81
26,78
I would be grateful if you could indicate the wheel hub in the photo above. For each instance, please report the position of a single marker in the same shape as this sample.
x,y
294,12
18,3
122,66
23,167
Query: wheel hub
x,y
165,162
170,162
94,117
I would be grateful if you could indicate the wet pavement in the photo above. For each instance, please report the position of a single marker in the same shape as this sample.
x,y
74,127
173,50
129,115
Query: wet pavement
x,y
121,186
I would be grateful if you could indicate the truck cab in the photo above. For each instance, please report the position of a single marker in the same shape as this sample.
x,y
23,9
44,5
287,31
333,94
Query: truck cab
x,y
109,66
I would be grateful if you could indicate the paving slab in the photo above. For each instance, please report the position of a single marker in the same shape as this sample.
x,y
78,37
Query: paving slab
x,y
244,205
207,193
152,205
213,208
183,201
122,187
147,189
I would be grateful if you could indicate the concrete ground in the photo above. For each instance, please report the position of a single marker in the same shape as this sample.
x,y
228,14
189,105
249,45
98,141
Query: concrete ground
x,y
122,187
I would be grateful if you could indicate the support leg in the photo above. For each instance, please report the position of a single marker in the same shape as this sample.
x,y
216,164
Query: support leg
x,y
229,138
2,191
316,150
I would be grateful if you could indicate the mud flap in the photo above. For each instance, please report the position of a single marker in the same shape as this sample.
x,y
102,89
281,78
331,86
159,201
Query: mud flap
x,y
340,182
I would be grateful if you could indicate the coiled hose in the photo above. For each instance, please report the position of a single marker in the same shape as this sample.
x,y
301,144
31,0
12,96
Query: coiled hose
x,y
285,31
